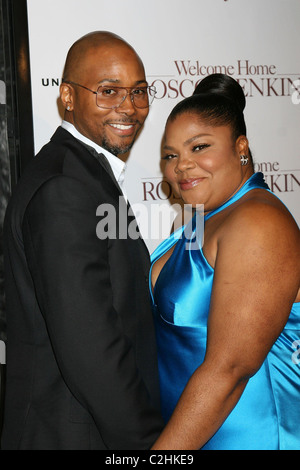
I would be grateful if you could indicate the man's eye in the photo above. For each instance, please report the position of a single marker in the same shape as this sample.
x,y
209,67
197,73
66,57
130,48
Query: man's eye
x,y
139,91
109,91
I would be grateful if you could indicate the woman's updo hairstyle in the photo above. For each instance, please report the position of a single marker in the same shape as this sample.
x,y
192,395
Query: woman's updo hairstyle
x,y
219,100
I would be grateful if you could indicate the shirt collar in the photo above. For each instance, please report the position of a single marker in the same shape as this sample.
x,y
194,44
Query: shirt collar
x,y
118,167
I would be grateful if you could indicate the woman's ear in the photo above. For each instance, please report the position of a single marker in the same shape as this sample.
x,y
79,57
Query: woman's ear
x,y
242,145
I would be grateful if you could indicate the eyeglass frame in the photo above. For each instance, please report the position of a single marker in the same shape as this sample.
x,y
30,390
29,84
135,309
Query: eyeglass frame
x,y
148,87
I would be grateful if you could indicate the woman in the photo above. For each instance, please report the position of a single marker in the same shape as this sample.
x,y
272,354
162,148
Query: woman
x,y
227,317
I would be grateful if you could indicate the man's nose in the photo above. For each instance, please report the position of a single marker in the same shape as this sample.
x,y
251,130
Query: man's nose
x,y
127,106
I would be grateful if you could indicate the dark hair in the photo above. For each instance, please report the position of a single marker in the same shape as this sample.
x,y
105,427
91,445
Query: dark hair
x,y
220,100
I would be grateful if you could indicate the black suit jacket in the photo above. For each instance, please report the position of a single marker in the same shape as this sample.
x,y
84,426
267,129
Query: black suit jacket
x,y
81,356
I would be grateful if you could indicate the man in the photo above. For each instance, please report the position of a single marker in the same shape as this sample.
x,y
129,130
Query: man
x,y
81,357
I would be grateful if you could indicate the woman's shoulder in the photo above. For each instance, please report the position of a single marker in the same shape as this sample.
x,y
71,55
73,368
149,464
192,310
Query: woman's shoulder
x,y
258,204
256,220
260,211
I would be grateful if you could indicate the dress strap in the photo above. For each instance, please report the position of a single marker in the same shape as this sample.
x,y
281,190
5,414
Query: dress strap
x,y
186,231
254,182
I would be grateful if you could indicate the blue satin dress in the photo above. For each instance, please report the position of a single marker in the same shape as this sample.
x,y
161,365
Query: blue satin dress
x,y
267,416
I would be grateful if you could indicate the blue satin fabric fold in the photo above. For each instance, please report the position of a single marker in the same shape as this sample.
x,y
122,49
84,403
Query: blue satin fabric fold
x,y
268,414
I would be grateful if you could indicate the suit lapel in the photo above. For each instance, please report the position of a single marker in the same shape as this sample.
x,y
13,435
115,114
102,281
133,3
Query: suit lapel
x,y
63,137
60,136
101,158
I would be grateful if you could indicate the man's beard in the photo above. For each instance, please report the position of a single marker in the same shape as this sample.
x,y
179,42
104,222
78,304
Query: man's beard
x,y
116,149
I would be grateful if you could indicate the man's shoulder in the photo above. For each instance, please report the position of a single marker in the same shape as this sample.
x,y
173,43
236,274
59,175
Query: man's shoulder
x,y
61,156
54,152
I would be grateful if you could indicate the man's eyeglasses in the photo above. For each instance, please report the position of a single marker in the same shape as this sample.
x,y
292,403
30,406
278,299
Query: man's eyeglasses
x,y
111,97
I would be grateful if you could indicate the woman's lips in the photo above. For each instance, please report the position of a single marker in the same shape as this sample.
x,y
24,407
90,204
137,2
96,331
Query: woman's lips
x,y
189,183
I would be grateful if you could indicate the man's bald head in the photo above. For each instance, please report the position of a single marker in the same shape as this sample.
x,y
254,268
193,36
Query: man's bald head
x,y
86,44
103,59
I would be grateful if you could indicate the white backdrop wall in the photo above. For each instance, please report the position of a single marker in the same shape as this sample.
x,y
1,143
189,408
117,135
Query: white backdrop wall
x,y
180,42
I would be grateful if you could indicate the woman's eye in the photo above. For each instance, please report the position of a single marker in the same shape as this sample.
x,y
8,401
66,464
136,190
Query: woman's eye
x,y
169,157
199,147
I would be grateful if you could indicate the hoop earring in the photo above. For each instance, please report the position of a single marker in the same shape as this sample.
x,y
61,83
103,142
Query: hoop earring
x,y
244,160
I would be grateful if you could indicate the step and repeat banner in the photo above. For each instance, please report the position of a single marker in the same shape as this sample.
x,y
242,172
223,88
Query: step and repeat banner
x,y
180,43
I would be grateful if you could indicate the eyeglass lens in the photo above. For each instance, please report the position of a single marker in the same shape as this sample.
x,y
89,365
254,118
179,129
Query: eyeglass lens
x,y
110,97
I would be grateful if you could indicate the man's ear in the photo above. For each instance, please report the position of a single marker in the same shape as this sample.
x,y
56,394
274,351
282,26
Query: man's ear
x,y
66,96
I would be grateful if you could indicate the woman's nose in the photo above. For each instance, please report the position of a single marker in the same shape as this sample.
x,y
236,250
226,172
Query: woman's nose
x,y
184,163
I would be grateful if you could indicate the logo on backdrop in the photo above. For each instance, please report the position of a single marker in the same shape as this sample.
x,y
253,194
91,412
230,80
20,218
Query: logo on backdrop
x,y
296,92
279,181
255,79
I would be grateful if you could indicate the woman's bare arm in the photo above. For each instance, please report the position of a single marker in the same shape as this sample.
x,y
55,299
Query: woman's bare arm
x,y
256,281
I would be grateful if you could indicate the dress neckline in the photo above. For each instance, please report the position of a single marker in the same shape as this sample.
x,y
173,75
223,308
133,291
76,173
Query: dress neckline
x,y
255,181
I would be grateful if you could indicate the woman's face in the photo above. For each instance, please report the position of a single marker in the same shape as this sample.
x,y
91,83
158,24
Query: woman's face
x,y
202,162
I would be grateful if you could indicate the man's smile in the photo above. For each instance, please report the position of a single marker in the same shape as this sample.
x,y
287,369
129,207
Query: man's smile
x,y
123,129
